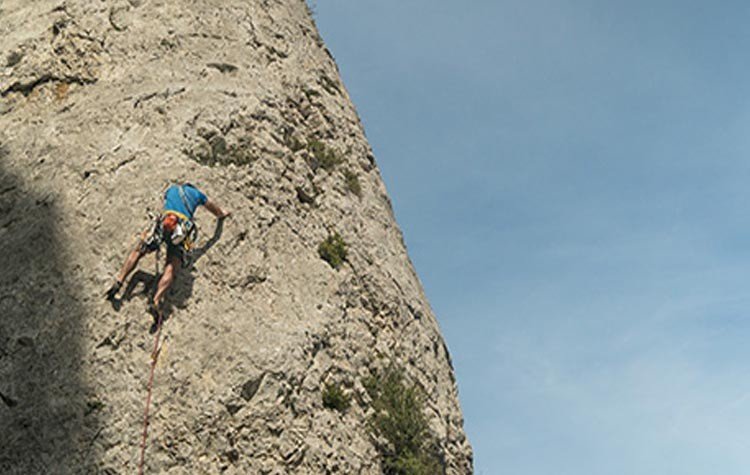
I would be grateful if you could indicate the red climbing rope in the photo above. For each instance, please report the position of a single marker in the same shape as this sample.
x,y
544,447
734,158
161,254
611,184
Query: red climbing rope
x,y
154,356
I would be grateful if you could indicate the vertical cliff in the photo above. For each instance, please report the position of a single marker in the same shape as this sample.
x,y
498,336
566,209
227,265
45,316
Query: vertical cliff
x,y
103,104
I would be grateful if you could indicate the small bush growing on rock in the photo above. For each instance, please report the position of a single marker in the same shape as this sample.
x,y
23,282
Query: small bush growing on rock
x,y
335,398
333,250
293,143
214,150
324,156
407,446
239,153
352,183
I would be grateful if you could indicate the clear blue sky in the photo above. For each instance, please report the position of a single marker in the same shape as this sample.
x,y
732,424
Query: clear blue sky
x,y
572,179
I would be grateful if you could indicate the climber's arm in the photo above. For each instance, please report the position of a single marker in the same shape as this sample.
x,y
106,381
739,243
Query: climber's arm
x,y
216,210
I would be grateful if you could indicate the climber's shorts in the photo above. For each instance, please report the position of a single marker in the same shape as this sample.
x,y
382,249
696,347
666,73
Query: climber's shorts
x,y
176,251
148,243
152,242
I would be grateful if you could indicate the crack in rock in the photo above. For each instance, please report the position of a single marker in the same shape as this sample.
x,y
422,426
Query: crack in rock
x,y
250,388
223,67
26,88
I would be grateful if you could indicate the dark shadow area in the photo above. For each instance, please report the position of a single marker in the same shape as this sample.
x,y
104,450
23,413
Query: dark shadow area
x,y
200,251
48,418
142,284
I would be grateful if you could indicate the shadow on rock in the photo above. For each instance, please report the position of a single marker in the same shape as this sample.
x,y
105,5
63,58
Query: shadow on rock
x,y
48,424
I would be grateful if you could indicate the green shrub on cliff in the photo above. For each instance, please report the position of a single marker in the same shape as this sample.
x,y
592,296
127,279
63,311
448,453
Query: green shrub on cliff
x,y
333,250
406,444
335,398
325,157
352,183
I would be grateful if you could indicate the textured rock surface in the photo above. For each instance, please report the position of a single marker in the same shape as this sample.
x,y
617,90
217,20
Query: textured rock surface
x,y
103,104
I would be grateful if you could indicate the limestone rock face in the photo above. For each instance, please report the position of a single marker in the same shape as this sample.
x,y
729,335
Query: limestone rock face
x,y
103,104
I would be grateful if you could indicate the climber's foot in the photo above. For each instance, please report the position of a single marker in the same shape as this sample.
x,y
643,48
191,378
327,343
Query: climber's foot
x,y
111,293
158,315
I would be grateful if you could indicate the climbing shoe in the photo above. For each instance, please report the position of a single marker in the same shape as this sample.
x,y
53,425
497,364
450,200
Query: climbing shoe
x,y
156,312
112,292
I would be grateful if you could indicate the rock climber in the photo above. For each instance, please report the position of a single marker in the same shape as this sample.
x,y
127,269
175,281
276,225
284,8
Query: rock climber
x,y
174,227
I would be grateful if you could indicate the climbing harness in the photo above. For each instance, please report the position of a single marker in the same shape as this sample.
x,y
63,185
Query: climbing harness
x,y
154,240
184,237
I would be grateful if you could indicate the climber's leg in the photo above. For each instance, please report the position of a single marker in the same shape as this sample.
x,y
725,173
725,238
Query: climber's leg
x,y
138,251
167,277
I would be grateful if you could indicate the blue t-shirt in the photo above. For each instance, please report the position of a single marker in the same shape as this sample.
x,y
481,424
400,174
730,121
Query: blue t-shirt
x,y
184,203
